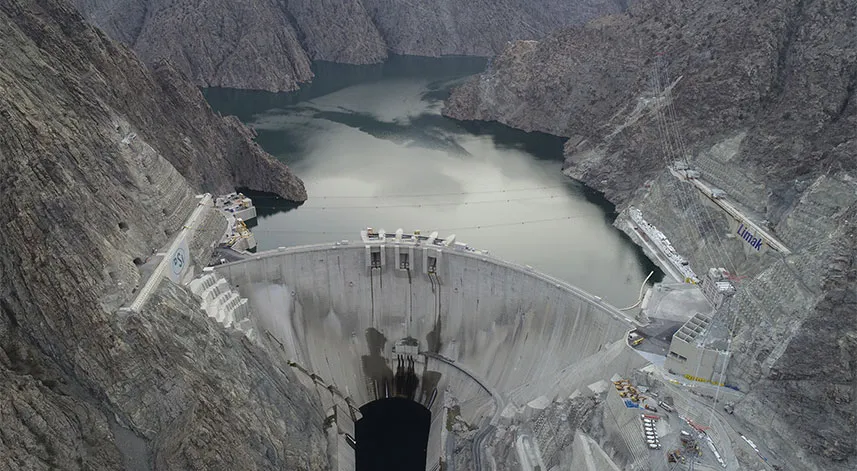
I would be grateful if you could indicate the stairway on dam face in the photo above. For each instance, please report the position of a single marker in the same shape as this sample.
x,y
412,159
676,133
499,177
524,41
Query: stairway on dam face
x,y
223,304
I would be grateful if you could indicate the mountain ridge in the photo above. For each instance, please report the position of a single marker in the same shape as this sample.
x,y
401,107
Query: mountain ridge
x,y
762,96
102,159
269,44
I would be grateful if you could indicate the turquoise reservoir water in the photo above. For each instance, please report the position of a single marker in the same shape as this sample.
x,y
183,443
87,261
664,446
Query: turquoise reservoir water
x,y
373,149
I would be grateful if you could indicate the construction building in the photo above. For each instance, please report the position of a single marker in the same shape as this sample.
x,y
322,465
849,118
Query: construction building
x,y
698,350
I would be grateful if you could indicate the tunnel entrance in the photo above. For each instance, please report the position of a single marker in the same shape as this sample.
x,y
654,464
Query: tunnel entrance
x,y
394,430
392,435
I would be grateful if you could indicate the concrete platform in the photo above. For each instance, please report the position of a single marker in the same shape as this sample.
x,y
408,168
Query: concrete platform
x,y
658,335
675,302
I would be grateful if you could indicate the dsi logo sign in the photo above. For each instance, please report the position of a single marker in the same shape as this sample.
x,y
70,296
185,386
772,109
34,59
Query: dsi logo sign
x,y
179,260
755,242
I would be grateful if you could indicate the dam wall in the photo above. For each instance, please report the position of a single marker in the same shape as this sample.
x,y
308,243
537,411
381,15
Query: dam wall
x,y
336,308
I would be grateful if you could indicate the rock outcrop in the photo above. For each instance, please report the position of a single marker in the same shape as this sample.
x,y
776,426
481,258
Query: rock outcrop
x,y
101,161
763,97
268,44
477,27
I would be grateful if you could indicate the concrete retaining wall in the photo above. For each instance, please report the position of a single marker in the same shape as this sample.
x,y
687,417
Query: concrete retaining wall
x,y
588,456
624,424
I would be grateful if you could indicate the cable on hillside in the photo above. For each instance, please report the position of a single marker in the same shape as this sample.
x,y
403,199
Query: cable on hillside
x,y
460,228
420,205
421,195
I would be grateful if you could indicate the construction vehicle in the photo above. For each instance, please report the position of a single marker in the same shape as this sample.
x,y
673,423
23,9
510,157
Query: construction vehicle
x,y
696,426
674,456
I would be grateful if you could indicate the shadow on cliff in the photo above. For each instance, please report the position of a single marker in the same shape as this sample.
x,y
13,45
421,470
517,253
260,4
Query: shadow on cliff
x,y
267,204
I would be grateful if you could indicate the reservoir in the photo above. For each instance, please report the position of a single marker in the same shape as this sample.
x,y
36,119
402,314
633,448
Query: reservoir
x,y
373,149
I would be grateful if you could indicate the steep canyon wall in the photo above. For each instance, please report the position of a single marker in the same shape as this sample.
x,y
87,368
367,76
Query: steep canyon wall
x,y
101,158
268,44
763,96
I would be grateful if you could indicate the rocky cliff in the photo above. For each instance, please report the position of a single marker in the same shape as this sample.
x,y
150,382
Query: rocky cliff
x,y
759,96
101,159
268,44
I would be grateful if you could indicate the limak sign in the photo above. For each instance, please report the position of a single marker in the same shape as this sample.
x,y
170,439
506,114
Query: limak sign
x,y
755,242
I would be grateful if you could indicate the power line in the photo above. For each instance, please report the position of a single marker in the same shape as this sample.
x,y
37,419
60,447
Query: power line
x,y
422,195
672,125
460,228
672,151
420,205
733,267
669,127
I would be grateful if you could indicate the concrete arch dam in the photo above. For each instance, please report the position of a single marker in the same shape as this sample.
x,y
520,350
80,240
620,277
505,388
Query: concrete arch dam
x,y
495,332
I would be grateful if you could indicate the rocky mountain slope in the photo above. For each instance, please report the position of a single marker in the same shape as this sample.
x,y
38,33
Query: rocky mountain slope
x,y
763,97
101,159
268,44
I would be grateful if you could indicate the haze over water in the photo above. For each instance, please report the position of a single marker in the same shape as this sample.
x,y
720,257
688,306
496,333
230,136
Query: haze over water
x,y
373,150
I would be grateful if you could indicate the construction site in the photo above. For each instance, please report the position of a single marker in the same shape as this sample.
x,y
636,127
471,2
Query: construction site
x,y
515,369
474,362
